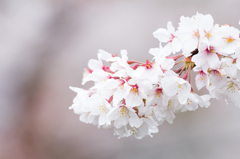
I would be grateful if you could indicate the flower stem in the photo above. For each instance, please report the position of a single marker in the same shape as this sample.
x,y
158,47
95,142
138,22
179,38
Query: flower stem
x,y
182,71
174,57
177,71
178,62
189,78
132,61
185,76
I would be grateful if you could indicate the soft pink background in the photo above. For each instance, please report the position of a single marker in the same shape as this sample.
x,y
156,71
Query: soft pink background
x,y
44,47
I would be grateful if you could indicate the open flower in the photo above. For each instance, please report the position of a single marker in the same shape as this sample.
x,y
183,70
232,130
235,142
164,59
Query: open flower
x,y
229,40
206,58
189,33
170,36
173,85
122,115
201,79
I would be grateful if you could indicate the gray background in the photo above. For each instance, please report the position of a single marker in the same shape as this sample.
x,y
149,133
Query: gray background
x,y
46,44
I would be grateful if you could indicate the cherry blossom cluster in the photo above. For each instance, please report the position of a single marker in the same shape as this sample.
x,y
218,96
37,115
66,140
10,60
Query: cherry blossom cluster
x,y
134,98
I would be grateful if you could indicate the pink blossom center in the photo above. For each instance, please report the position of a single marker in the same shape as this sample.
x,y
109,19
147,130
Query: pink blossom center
x,y
148,65
89,70
134,89
210,50
202,75
122,82
196,34
158,92
106,68
208,34
171,38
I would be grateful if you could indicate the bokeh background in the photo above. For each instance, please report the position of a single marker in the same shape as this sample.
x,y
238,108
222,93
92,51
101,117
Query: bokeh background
x,y
46,44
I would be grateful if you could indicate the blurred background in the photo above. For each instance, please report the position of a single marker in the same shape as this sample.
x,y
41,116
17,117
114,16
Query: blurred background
x,y
46,44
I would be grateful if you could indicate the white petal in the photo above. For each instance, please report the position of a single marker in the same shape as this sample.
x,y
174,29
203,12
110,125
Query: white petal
x,y
170,27
201,80
167,64
190,45
238,63
176,44
133,99
199,59
191,106
162,35
121,93
213,61
75,89
95,64
169,48
207,22
168,84
102,119
154,51
183,94
134,120
109,88
205,101
113,114
121,122
124,53
104,55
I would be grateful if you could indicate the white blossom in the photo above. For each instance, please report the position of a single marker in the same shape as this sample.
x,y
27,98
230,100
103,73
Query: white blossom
x,y
170,36
134,98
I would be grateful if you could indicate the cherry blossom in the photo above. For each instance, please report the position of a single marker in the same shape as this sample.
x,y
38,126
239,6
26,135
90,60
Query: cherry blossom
x,y
170,36
134,98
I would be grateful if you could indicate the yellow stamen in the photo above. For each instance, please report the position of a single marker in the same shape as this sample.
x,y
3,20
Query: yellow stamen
x,y
123,112
229,39
208,35
149,66
134,90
